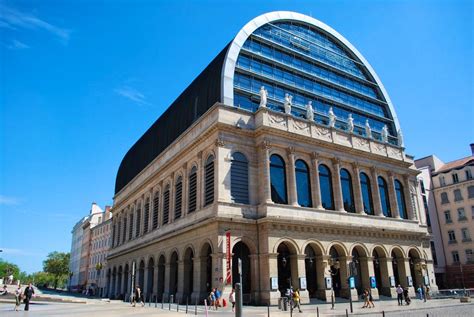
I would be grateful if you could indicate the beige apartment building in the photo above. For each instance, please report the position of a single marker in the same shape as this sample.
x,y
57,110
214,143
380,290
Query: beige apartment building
x,y
452,185
286,153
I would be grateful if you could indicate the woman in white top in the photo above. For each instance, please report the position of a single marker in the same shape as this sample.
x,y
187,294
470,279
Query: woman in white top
x,y
18,293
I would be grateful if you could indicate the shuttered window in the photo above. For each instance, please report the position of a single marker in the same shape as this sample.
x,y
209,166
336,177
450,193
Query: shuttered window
x,y
156,204
166,205
118,232
146,216
138,220
192,200
239,178
178,198
209,181
130,229
124,229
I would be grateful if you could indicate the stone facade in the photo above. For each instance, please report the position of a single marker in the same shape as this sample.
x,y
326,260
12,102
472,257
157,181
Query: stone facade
x,y
292,244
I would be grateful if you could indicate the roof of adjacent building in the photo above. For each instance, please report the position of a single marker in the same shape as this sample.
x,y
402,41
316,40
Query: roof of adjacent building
x,y
456,164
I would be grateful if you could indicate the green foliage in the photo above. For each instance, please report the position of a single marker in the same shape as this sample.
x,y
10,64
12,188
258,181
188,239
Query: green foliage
x,y
7,268
57,265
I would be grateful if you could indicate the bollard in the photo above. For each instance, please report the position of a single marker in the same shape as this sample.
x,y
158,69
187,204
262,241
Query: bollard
x,y
268,310
196,307
347,314
383,313
187,300
317,311
205,307
162,300
150,298
169,302
156,300
177,306
238,300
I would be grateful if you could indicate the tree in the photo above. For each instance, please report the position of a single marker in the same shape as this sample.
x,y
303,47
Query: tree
x,y
7,269
57,264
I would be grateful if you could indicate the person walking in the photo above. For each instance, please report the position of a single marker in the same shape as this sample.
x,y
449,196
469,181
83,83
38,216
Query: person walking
x,y
296,300
365,297
232,299
138,296
400,295
420,292
27,294
371,299
18,293
406,296
218,297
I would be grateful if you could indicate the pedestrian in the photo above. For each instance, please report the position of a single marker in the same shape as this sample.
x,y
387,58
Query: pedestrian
x,y
407,297
419,290
212,299
296,300
232,299
428,295
138,296
4,290
400,295
18,296
218,297
365,297
371,299
27,294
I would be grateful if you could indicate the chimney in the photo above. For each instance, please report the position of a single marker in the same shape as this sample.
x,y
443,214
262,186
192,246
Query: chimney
x,y
107,212
472,149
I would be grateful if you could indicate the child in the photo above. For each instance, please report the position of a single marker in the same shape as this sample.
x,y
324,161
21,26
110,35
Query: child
x,y
232,299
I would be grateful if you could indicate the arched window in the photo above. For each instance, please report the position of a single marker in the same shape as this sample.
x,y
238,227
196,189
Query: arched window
x,y
303,184
146,216
278,179
384,200
209,181
156,206
239,178
166,205
130,229
347,191
366,194
325,182
138,220
402,208
192,199
178,197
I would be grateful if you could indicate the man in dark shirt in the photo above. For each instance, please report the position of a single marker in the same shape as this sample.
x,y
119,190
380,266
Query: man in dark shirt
x,y
28,293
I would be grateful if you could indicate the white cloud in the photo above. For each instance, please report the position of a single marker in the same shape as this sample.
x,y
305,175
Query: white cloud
x,y
17,45
13,19
5,200
132,94
8,251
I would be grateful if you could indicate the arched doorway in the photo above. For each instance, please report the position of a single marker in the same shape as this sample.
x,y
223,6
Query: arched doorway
x,y
358,273
376,256
161,277
335,269
206,268
312,253
141,274
173,286
119,283
241,251
109,283
126,286
415,268
188,273
113,287
151,271
286,266
398,267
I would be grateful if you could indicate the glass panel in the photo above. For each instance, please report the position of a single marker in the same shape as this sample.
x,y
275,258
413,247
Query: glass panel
x,y
278,180
347,191
401,200
325,182
303,184
384,198
366,194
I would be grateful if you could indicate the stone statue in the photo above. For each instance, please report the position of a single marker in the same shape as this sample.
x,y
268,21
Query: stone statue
x,y
384,134
368,130
332,118
400,138
288,103
263,97
350,123
309,111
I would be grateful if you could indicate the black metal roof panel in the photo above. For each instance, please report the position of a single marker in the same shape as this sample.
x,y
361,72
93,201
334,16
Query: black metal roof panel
x,y
193,102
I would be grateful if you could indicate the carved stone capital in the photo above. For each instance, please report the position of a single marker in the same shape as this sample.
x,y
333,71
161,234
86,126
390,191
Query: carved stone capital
x,y
314,155
265,145
219,142
355,166
336,161
199,155
290,150
373,169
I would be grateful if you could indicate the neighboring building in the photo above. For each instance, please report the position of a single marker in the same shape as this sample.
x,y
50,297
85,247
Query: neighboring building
x,y
451,196
289,142
75,258
100,245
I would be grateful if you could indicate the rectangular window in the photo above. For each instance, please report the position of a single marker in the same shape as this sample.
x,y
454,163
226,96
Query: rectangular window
x,y
466,237
469,256
433,253
468,174
455,256
447,216
452,237
470,191
461,214
442,182
455,178
444,198
457,195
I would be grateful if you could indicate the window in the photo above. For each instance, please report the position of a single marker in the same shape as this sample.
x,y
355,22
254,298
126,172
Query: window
x,y
130,229
156,205
124,229
472,212
146,216
455,255
384,200
455,178
427,213
442,181
457,195
166,205
469,256
192,190
466,237
444,198
468,174
138,220
447,216
422,186
451,236
178,197
461,214
278,179
470,191
402,209
433,253
347,191
209,181
325,182
366,194
239,178
303,184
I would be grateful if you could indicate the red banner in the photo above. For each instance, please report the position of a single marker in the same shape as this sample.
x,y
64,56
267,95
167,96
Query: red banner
x,y
228,278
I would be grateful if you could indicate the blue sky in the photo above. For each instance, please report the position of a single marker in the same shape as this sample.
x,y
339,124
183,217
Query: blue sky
x,y
80,81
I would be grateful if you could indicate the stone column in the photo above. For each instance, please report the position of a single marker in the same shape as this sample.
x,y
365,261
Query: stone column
x,y
336,180
200,182
268,269
180,282
160,205
386,271
144,287
264,182
292,192
358,201
184,202
344,273
375,192
408,202
172,197
167,291
199,288
155,279
222,172
392,195
316,188
404,271
300,272
322,272
367,268
254,277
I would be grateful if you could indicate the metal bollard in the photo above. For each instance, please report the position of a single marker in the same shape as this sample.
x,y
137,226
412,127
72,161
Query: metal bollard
x,y
383,313
156,300
150,298
196,307
238,300
177,306
347,314
317,311
187,300
268,310
162,300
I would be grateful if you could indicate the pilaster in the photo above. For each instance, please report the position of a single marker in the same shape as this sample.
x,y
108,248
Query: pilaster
x,y
336,180
316,188
293,195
